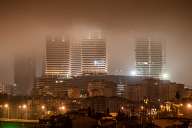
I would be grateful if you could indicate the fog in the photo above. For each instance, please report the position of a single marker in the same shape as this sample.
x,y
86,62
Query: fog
x,y
25,24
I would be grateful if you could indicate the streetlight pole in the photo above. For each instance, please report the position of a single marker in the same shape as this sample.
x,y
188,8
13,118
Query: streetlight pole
x,y
43,110
25,109
62,109
7,108
19,112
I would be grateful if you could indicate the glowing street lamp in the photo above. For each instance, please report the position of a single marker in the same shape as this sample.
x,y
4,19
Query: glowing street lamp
x,y
24,106
42,110
142,107
62,107
43,107
189,106
20,106
7,108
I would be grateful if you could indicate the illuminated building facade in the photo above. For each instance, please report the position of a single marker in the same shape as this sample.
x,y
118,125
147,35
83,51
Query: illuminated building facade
x,y
150,59
57,58
93,51
75,59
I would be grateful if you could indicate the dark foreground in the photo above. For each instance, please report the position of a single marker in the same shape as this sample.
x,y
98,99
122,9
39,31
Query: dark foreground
x,y
17,125
62,121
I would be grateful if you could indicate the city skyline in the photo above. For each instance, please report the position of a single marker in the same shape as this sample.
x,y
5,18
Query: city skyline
x,y
95,63
25,25
39,67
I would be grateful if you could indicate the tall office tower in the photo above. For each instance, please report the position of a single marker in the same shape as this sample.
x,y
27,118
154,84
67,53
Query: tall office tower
x,y
57,57
93,51
75,59
150,58
24,74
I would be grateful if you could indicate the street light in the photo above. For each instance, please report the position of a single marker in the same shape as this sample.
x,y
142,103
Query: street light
x,y
42,111
24,107
189,106
43,107
62,107
19,112
6,105
142,107
7,108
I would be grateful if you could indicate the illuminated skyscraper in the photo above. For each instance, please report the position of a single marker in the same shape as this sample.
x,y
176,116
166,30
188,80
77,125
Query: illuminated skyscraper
x,y
150,59
57,58
75,59
93,51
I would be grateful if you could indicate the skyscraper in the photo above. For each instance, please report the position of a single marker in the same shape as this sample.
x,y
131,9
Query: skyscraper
x,y
93,51
75,59
150,58
57,57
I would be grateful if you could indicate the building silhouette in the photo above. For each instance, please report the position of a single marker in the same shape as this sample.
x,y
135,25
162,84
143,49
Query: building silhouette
x,y
24,74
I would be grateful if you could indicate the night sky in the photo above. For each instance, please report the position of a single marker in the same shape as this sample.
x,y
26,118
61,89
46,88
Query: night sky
x,y
24,25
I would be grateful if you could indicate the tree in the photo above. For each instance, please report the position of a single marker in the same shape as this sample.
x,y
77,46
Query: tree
x,y
177,95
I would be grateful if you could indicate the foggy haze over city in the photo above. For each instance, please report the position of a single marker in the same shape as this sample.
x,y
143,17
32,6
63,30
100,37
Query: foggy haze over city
x,y
95,63
25,24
